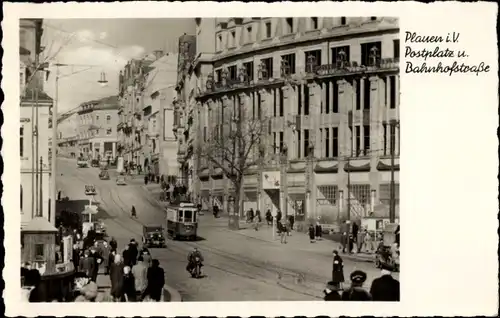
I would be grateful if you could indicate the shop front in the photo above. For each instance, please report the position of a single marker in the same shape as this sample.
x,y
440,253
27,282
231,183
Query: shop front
x,y
271,185
328,202
297,204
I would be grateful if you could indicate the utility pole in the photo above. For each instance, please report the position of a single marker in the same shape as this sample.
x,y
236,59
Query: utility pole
x,y
54,151
38,35
40,211
392,210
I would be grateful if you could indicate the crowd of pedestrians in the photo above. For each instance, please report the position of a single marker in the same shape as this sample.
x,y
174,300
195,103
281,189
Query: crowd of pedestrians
x,y
135,276
383,288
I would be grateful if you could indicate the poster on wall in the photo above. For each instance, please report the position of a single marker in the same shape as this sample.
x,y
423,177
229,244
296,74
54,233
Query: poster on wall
x,y
271,180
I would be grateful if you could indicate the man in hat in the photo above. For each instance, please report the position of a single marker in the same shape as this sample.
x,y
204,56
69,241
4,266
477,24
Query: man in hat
x,y
385,288
331,292
357,292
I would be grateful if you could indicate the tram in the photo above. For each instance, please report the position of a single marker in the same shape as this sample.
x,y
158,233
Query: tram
x,y
182,221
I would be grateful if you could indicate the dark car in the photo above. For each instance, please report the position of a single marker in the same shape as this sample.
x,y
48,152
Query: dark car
x,y
94,163
153,236
104,175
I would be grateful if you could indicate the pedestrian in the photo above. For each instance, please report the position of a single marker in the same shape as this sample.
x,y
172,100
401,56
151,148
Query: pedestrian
x,y
113,244
360,239
331,292
75,257
116,278
252,215
146,257
278,216
354,236
311,233
318,231
87,264
145,179
59,195
129,291
258,220
216,211
338,270
286,221
140,272
134,252
97,262
356,292
105,254
283,231
269,217
368,242
385,287
292,221
156,280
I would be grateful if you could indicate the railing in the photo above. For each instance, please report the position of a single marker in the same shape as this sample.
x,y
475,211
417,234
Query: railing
x,y
344,67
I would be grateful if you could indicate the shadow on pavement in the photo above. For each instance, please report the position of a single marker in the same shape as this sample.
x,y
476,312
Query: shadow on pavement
x,y
197,239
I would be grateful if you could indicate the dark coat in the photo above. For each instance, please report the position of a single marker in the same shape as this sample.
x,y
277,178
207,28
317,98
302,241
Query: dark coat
x,y
311,232
134,251
278,216
332,296
129,286
156,280
338,269
87,265
385,288
116,277
319,230
113,244
356,294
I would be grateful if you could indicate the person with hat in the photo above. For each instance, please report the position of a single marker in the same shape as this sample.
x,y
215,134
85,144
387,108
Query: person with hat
x,y
331,292
338,270
385,288
356,292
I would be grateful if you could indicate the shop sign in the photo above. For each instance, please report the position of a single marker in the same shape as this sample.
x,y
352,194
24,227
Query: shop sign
x,y
271,180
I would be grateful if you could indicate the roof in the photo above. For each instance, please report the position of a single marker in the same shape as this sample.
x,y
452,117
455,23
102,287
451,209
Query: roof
x,y
29,96
39,224
110,102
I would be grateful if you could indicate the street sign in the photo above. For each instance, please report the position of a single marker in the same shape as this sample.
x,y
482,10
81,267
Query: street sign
x,y
90,209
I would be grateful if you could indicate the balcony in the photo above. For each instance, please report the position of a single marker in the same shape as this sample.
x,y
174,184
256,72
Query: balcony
x,y
342,68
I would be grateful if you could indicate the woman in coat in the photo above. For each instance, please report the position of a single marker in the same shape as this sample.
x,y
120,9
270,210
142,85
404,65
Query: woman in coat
x,y
156,280
311,233
338,270
129,285
116,277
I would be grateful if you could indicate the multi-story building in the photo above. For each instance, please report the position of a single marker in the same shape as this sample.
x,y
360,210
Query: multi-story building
x,y
97,128
34,131
130,125
326,92
185,107
160,148
67,130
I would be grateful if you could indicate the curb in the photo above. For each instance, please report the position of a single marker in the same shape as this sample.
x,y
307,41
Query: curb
x,y
171,294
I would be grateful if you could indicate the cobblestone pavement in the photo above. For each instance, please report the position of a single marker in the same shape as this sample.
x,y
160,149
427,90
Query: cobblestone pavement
x,y
239,265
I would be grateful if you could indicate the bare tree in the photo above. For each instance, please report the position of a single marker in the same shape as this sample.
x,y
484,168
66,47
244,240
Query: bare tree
x,y
234,148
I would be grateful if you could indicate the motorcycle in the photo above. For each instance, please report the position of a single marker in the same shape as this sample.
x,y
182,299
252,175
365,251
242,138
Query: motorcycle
x,y
196,269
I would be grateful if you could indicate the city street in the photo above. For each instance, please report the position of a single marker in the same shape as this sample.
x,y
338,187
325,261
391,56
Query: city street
x,y
238,267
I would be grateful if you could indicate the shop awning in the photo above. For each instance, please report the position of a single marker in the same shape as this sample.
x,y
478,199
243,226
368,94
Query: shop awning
x,y
362,168
381,166
330,169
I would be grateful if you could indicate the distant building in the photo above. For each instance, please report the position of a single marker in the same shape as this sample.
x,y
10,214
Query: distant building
x,y
97,123
68,131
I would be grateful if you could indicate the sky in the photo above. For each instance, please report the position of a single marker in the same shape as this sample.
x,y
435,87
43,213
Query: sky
x,y
94,46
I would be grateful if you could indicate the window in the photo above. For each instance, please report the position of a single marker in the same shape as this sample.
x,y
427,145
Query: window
x,y
21,141
306,99
108,119
154,145
233,73
39,252
327,142
385,193
268,67
396,49
299,100
306,142
314,23
21,202
219,42
335,104
335,137
366,93
233,38
288,63
385,138
249,34
281,141
188,216
299,140
313,59
321,141
357,84
392,145
274,143
249,70
181,216
327,195
275,111
259,106
366,140
218,75
268,30
282,102
205,134
392,92
358,141
343,21
360,196
289,25
371,53
327,97
341,54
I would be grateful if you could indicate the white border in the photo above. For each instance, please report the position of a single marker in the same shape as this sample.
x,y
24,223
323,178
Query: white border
x,y
449,147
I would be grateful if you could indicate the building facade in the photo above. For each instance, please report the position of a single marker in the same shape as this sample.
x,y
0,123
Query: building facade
x,y
326,92
34,130
97,128
68,132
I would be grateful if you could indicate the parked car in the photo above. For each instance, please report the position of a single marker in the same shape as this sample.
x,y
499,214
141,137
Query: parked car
x,y
104,175
90,189
153,236
94,163
120,180
82,163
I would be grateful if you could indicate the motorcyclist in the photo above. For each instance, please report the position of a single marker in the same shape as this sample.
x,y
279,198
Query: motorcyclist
x,y
134,214
192,262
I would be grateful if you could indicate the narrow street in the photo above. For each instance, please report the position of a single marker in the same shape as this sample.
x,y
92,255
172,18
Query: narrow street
x,y
237,267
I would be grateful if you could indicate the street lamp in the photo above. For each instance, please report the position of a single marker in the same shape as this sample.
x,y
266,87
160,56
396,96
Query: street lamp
x,y
102,81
